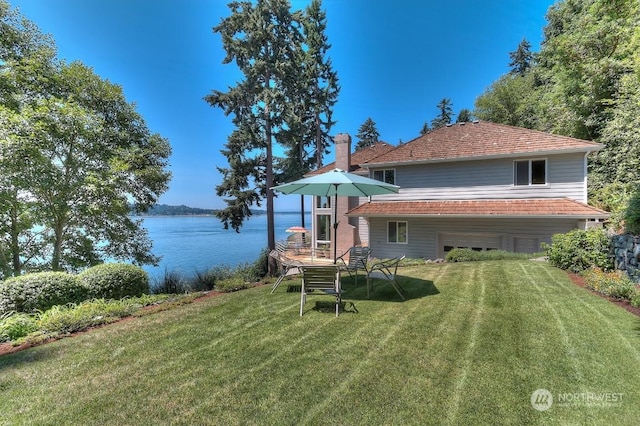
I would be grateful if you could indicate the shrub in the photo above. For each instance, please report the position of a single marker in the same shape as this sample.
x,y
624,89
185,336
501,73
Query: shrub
x,y
635,297
115,281
579,250
40,291
632,215
468,255
614,284
232,284
16,325
172,282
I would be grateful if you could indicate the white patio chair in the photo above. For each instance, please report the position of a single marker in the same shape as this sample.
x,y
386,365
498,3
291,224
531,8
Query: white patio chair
x,y
323,278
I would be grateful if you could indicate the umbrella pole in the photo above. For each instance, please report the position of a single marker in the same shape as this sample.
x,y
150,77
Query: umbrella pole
x,y
335,226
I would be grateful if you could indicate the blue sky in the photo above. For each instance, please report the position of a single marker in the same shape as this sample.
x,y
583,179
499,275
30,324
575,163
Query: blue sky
x,y
395,60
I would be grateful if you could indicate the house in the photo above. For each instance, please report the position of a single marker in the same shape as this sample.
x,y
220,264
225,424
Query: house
x,y
478,185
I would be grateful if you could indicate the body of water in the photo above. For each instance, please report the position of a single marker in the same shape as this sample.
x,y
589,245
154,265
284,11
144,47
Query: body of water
x,y
197,243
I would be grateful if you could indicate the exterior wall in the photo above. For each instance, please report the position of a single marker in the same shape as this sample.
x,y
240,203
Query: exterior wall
x,y
489,179
424,234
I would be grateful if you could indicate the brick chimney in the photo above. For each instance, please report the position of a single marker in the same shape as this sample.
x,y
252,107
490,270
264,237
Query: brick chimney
x,y
343,151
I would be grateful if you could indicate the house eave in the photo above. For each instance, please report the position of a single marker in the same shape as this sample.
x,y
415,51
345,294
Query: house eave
x,y
484,216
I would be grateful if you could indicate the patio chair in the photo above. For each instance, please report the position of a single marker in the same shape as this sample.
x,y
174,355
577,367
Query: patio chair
x,y
324,278
286,267
358,258
386,270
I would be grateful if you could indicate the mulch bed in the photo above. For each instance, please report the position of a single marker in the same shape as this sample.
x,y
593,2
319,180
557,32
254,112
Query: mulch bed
x,y
624,304
7,348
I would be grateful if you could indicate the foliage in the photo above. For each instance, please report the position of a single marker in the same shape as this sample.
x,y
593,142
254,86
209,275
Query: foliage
x,y
445,115
40,291
579,250
511,100
171,282
632,214
74,153
583,83
634,298
367,135
76,317
521,58
286,91
614,198
233,284
464,116
614,284
115,281
63,319
468,255
16,325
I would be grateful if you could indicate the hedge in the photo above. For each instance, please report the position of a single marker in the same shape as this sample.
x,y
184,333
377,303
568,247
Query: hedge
x,y
115,281
40,291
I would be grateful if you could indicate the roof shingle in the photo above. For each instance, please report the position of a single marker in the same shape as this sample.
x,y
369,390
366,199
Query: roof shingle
x,y
358,157
481,139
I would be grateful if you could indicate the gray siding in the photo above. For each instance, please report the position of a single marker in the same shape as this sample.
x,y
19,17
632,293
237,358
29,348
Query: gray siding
x,y
424,233
489,179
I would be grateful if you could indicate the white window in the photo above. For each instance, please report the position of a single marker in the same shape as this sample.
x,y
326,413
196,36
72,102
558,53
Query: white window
x,y
397,232
529,172
386,176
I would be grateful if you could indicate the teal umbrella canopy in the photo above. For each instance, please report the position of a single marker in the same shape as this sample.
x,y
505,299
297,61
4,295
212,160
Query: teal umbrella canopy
x,y
337,182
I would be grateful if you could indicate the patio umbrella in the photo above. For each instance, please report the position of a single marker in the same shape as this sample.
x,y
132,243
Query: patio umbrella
x,y
297,229
333,183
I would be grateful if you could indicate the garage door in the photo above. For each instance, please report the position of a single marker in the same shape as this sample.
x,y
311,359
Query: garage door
x,y
477,242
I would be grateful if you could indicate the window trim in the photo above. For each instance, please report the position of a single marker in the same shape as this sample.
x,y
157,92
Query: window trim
x,y
383,171
530,173
406,225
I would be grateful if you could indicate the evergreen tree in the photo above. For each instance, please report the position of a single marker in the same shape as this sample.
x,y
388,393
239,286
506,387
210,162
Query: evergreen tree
x,y
367,134
521,59
464,116
425,128
306,135
445,116
263,40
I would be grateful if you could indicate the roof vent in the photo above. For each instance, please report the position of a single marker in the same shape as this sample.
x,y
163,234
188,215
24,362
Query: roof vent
x,y
462,123
475,121
449,124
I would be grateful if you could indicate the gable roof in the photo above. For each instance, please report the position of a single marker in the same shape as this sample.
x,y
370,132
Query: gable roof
x,y
360,156
481,139
529,208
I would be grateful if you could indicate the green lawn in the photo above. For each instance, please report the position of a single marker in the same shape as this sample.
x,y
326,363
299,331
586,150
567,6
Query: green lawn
x,y
469,346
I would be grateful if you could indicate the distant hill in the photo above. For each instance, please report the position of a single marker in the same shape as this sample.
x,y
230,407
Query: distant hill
x,y
167,210
182,210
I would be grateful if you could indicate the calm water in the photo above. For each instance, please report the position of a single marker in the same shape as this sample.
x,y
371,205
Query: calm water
x,y
189,244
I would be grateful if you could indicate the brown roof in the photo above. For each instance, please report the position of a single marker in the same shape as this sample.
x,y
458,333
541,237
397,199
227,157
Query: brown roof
x,y
481,139
531,208
360,156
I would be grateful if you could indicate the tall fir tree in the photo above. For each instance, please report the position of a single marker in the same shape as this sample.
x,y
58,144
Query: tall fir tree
x,y
367,134
446,114
307,132
521,58
263,40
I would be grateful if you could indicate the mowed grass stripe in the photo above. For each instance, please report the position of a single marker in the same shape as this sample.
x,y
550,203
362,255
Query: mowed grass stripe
x,y
472,353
